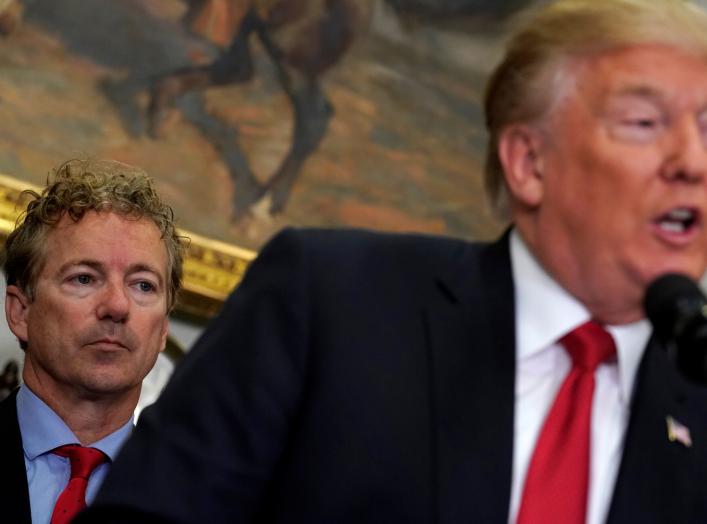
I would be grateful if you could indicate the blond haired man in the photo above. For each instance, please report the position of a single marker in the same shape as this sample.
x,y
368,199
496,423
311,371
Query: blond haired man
x,y
357,377
93,269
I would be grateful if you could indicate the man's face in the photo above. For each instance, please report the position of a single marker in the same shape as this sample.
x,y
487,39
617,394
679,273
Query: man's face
x,y
623,172
98,318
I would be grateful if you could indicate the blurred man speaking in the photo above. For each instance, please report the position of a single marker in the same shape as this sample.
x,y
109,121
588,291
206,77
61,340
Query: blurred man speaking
x,y
92,270
357,377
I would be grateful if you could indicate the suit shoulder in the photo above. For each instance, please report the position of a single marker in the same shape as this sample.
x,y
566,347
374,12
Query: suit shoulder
x,y
359,246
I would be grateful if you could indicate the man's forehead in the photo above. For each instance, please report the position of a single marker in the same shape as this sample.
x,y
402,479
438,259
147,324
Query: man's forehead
x,y
646,71
99,237
102,265
90,215
106,221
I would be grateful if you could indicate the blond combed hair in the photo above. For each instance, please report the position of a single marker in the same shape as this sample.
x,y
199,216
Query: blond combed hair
x,y
547,39
77,187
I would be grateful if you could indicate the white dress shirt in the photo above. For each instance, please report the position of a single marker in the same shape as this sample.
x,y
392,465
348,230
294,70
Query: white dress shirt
x,y
544,313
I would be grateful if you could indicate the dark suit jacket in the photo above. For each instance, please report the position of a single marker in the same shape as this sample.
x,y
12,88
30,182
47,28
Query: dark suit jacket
x,y
14,494
364,378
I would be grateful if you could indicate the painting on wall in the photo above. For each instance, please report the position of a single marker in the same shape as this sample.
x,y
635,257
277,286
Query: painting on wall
x,y
257,114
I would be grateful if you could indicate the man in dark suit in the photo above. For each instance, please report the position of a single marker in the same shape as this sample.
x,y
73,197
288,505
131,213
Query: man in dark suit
x,y
92,271
357,377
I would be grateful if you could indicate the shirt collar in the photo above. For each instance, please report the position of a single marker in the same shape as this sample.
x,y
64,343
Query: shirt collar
x,y
43,430
545,312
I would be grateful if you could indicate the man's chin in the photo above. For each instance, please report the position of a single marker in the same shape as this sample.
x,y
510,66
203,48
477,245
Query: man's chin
x,y
105,388
695,271
656,263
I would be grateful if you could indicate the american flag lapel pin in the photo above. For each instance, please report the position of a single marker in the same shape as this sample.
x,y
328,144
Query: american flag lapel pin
x,y
678,432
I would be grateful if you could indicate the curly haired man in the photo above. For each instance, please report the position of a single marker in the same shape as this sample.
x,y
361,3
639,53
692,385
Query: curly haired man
x,y
93,268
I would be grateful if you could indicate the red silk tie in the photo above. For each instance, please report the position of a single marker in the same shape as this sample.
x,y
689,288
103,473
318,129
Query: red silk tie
x,y
73,498
557,482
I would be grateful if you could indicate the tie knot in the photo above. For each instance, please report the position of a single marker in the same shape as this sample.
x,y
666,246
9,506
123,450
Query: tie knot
x,y
83,460
589,345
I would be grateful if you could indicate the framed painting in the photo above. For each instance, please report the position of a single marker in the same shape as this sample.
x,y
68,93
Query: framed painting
x,y
254,115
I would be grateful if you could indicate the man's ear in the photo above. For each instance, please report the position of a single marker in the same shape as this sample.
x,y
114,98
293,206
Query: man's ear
x,y
17,306
519,149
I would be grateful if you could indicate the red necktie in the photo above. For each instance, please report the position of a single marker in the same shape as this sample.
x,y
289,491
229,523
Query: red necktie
x,y
73,498
557,483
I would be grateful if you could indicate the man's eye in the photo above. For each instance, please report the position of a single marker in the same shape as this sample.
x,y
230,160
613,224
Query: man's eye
x,y
83,279
644,123
145,287
637,129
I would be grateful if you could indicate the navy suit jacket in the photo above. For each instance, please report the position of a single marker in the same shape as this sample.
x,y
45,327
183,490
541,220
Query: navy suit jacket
x,y
14,493
357,377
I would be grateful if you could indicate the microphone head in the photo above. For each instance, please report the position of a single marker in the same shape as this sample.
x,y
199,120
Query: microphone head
x,y
671,301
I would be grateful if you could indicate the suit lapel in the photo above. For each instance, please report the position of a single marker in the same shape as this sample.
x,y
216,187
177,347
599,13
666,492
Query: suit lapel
x,y
472,343
472,335
661,481
14,494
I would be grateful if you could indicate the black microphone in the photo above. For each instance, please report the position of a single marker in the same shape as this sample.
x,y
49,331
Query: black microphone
x,y
677,308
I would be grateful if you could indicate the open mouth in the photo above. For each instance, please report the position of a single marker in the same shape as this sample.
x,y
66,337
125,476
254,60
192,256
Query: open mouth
x,y
678,221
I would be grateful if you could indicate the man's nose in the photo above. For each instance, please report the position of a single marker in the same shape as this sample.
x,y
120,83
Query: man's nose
x,y
687,161
113,303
